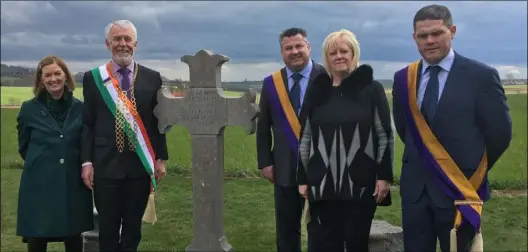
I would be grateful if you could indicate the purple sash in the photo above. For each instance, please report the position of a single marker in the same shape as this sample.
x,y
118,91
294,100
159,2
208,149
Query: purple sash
x,y
278,98
466,194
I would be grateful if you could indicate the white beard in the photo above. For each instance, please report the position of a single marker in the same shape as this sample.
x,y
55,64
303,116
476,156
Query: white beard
x,y
122,59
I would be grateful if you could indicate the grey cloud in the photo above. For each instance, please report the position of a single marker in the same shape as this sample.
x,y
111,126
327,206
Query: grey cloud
x,y
494,32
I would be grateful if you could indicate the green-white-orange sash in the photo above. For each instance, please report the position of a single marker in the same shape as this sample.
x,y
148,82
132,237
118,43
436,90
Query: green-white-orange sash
x,y
288,122
466,194
109,89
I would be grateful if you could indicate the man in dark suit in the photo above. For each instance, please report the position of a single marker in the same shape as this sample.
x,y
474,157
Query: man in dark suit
x,y
278,122
464,106
112,166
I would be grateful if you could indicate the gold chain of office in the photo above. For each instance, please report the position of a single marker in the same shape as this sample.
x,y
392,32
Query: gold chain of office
x,y
120,121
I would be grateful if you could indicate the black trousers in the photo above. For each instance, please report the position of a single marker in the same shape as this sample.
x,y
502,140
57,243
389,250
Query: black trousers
x,y
339,225
424,222
288,212
71,243
120,203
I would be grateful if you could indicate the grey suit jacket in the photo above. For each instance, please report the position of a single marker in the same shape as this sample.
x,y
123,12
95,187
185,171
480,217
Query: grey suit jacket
x,y
272,147
472,116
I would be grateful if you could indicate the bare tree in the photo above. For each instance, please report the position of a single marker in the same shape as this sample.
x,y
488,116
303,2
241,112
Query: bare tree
x,y
510,79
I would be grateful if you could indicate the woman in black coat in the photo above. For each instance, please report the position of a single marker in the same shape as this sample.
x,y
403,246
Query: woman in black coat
x,y
53,204
345,153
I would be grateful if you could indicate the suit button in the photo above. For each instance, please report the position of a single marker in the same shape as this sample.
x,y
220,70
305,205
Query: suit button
x,y
61,160
61,136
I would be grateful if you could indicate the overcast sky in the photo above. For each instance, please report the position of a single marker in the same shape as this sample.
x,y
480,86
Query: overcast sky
x,y
247,32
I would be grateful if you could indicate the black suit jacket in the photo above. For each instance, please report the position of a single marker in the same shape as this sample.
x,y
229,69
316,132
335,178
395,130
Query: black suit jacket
x,y
278,153
99,137
472,116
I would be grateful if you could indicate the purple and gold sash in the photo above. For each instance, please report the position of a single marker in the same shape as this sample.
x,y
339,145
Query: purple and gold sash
x,y
282,108
466,194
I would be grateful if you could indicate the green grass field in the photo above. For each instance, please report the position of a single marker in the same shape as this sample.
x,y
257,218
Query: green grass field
x,y
249,215
240,160
14,96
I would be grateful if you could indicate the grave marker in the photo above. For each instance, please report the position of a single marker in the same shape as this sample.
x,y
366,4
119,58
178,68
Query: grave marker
x,y
205,111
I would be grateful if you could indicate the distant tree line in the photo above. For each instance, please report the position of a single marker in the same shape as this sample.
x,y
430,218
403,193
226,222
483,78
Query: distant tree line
x,y
18,76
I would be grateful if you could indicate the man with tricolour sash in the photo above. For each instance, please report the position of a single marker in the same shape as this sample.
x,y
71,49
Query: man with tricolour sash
x,y
451,114
122,149
278,130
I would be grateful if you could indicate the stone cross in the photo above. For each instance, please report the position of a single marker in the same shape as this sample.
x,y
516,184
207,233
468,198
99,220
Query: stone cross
x,y
205,111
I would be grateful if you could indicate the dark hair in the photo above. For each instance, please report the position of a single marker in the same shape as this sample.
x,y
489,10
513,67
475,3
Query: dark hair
x,y
434,12
290,32
49,60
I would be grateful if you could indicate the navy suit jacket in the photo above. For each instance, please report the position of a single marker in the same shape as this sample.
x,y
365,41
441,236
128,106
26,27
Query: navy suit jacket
x,y
272,146
472,116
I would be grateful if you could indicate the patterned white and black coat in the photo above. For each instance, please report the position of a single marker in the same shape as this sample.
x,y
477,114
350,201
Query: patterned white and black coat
x,y
346,141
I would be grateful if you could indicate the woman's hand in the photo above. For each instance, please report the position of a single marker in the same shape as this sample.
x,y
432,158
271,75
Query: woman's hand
x,y
382,188
303,190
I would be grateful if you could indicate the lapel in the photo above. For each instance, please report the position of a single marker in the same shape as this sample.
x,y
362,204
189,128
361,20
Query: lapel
x,y
316,69
73,112
141,89
46,116
418,78
139,81
285,79
449,88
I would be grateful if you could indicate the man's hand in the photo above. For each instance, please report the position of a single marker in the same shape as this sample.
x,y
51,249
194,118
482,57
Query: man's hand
x,y
303,191
87,176
267,172
382,188
159,170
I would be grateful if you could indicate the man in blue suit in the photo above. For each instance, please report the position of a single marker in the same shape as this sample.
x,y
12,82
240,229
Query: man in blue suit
x,y
462,104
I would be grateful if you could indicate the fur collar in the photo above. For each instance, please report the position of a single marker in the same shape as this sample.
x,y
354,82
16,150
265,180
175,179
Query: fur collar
x,y
321,87
357,80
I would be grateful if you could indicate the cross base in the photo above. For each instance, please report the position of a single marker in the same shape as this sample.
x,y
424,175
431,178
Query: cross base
x,y
91,238
221,245
91,241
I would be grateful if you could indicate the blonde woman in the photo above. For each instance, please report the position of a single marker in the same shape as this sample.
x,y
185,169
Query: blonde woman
x,y
345,164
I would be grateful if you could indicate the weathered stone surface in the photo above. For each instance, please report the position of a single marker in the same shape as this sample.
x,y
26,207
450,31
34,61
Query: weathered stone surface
x,y
91,238
204,108
207,164
205,111
385,237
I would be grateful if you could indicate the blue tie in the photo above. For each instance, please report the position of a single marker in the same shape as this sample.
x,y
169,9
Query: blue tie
x,y
295,93
430,100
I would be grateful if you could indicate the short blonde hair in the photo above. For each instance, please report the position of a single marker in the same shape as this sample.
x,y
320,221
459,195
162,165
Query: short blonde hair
x,y
331,40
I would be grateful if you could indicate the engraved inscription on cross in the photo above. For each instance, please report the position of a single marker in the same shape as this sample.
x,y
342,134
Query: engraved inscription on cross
x,y
205,111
